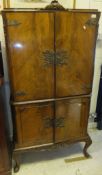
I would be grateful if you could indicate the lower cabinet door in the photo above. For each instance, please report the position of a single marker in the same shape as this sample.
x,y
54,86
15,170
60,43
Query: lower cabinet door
x,y
71,119
33,124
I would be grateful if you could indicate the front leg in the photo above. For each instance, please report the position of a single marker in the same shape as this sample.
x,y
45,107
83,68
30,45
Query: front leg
x,y
16,158
88,143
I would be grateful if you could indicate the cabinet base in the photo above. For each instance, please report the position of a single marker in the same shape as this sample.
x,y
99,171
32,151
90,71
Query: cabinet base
x,y
6,173
19,151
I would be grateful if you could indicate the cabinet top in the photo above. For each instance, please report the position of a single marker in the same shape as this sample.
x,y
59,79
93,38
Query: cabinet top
x,y
53,7
46,10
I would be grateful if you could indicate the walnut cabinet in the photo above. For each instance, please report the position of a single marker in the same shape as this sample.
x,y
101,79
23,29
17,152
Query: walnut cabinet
x,y
50,55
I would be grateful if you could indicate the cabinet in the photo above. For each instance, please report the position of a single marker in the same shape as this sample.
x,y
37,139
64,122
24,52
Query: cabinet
x,y
51,65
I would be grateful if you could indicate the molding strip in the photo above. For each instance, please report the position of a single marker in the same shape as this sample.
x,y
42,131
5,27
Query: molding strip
x,y
49,100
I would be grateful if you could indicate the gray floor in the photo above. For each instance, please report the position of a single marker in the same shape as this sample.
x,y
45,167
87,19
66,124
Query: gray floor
x,y
60,162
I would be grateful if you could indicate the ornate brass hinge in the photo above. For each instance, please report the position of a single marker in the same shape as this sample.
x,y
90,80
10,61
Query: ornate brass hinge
x,y
13,23
20,93
92,22
87,86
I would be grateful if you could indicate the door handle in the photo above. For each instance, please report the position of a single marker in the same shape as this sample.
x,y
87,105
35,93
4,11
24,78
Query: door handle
x,y
59,122
51,122
48,57
61,58
58,58
48,122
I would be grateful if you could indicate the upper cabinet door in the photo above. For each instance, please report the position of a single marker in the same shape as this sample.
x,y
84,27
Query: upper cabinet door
x,y
75,45
30,43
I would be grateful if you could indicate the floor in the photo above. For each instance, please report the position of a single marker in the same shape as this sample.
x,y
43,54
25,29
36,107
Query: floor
x,y
65,161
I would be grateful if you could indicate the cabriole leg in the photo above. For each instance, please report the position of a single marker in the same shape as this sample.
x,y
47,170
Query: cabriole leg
x,y
87,144
16,159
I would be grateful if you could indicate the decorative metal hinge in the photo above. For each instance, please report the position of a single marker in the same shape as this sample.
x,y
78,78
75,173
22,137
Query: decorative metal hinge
x,y
13,23
92,22
87,86
20,93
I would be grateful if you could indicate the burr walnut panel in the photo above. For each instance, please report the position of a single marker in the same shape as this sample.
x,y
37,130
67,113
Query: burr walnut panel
x,y
30,37
34,124
74,114
75,37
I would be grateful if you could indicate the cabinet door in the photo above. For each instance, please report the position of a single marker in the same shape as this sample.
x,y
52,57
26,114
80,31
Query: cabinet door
x,y
33,124
72,119
75,44
30,42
